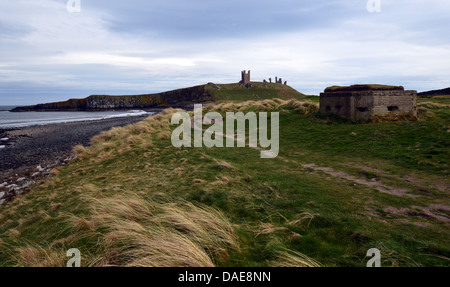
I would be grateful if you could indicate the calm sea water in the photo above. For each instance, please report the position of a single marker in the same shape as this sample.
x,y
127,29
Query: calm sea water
x,y
23,119
6,108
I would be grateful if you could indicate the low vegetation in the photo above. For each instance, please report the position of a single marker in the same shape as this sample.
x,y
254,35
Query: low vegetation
x,y
362,87
259,91
336,190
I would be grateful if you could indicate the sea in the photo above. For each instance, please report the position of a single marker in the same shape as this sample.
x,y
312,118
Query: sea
x,y
23,119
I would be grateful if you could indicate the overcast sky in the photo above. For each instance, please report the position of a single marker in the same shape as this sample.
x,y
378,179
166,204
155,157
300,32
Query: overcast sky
x,y
132,47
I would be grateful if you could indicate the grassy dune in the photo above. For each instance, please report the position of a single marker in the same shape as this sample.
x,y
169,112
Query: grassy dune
x,y
336,190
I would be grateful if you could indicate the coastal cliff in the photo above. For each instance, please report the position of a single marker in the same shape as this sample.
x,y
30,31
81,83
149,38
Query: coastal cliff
x,y
178,98
185,97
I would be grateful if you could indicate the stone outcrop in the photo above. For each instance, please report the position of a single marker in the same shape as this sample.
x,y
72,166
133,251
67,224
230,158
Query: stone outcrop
x,y
363,102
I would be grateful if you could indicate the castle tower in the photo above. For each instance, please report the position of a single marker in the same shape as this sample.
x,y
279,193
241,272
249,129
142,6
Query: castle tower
x,y
245,78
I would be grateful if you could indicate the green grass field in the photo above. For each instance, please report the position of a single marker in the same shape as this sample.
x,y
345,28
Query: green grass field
x,y
259,91
337,189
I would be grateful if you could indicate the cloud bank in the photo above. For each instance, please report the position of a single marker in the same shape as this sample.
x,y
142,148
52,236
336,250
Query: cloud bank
x,y
130,47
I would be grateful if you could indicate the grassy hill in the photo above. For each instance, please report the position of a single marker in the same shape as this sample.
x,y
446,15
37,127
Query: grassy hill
x,y
336,190
441,92
436,96
259,91
185,97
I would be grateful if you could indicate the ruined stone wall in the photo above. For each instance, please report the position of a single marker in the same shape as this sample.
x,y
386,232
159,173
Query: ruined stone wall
x,y
395,102
365,104
350,105
338,105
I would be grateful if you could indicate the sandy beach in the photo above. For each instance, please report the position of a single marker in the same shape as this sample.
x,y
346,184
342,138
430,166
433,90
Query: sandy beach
x,y
28,154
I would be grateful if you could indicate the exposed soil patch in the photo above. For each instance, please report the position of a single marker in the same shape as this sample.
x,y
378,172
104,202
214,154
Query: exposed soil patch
x,y
428,212
372,183
440,185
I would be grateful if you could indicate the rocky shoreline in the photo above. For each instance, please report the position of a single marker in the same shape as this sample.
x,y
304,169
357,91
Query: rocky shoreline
x,y
28,154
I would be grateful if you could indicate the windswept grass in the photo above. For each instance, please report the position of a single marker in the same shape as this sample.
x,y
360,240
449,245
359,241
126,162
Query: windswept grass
x,y
135,231
132,199
291,258
129,230
37,256
301,107
432,105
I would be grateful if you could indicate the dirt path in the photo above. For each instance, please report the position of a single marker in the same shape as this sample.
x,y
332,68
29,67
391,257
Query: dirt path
x,y
330,171
422,212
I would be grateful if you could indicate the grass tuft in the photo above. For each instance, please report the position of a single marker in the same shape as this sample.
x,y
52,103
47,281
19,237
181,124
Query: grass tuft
x,y
135,231
289,258
36,256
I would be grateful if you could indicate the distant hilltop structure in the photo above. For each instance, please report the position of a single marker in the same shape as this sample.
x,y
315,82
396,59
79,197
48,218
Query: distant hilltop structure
x,y
245,79
277,81
363,102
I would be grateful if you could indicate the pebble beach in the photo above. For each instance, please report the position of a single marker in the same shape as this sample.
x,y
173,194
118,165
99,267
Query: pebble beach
x,y
29,154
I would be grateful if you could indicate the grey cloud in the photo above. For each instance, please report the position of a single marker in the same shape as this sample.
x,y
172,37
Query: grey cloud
x,y
214,19
125,47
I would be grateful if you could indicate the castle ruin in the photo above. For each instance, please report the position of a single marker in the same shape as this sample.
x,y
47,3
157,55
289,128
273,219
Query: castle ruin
x,y
245,79
363,102
277,81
